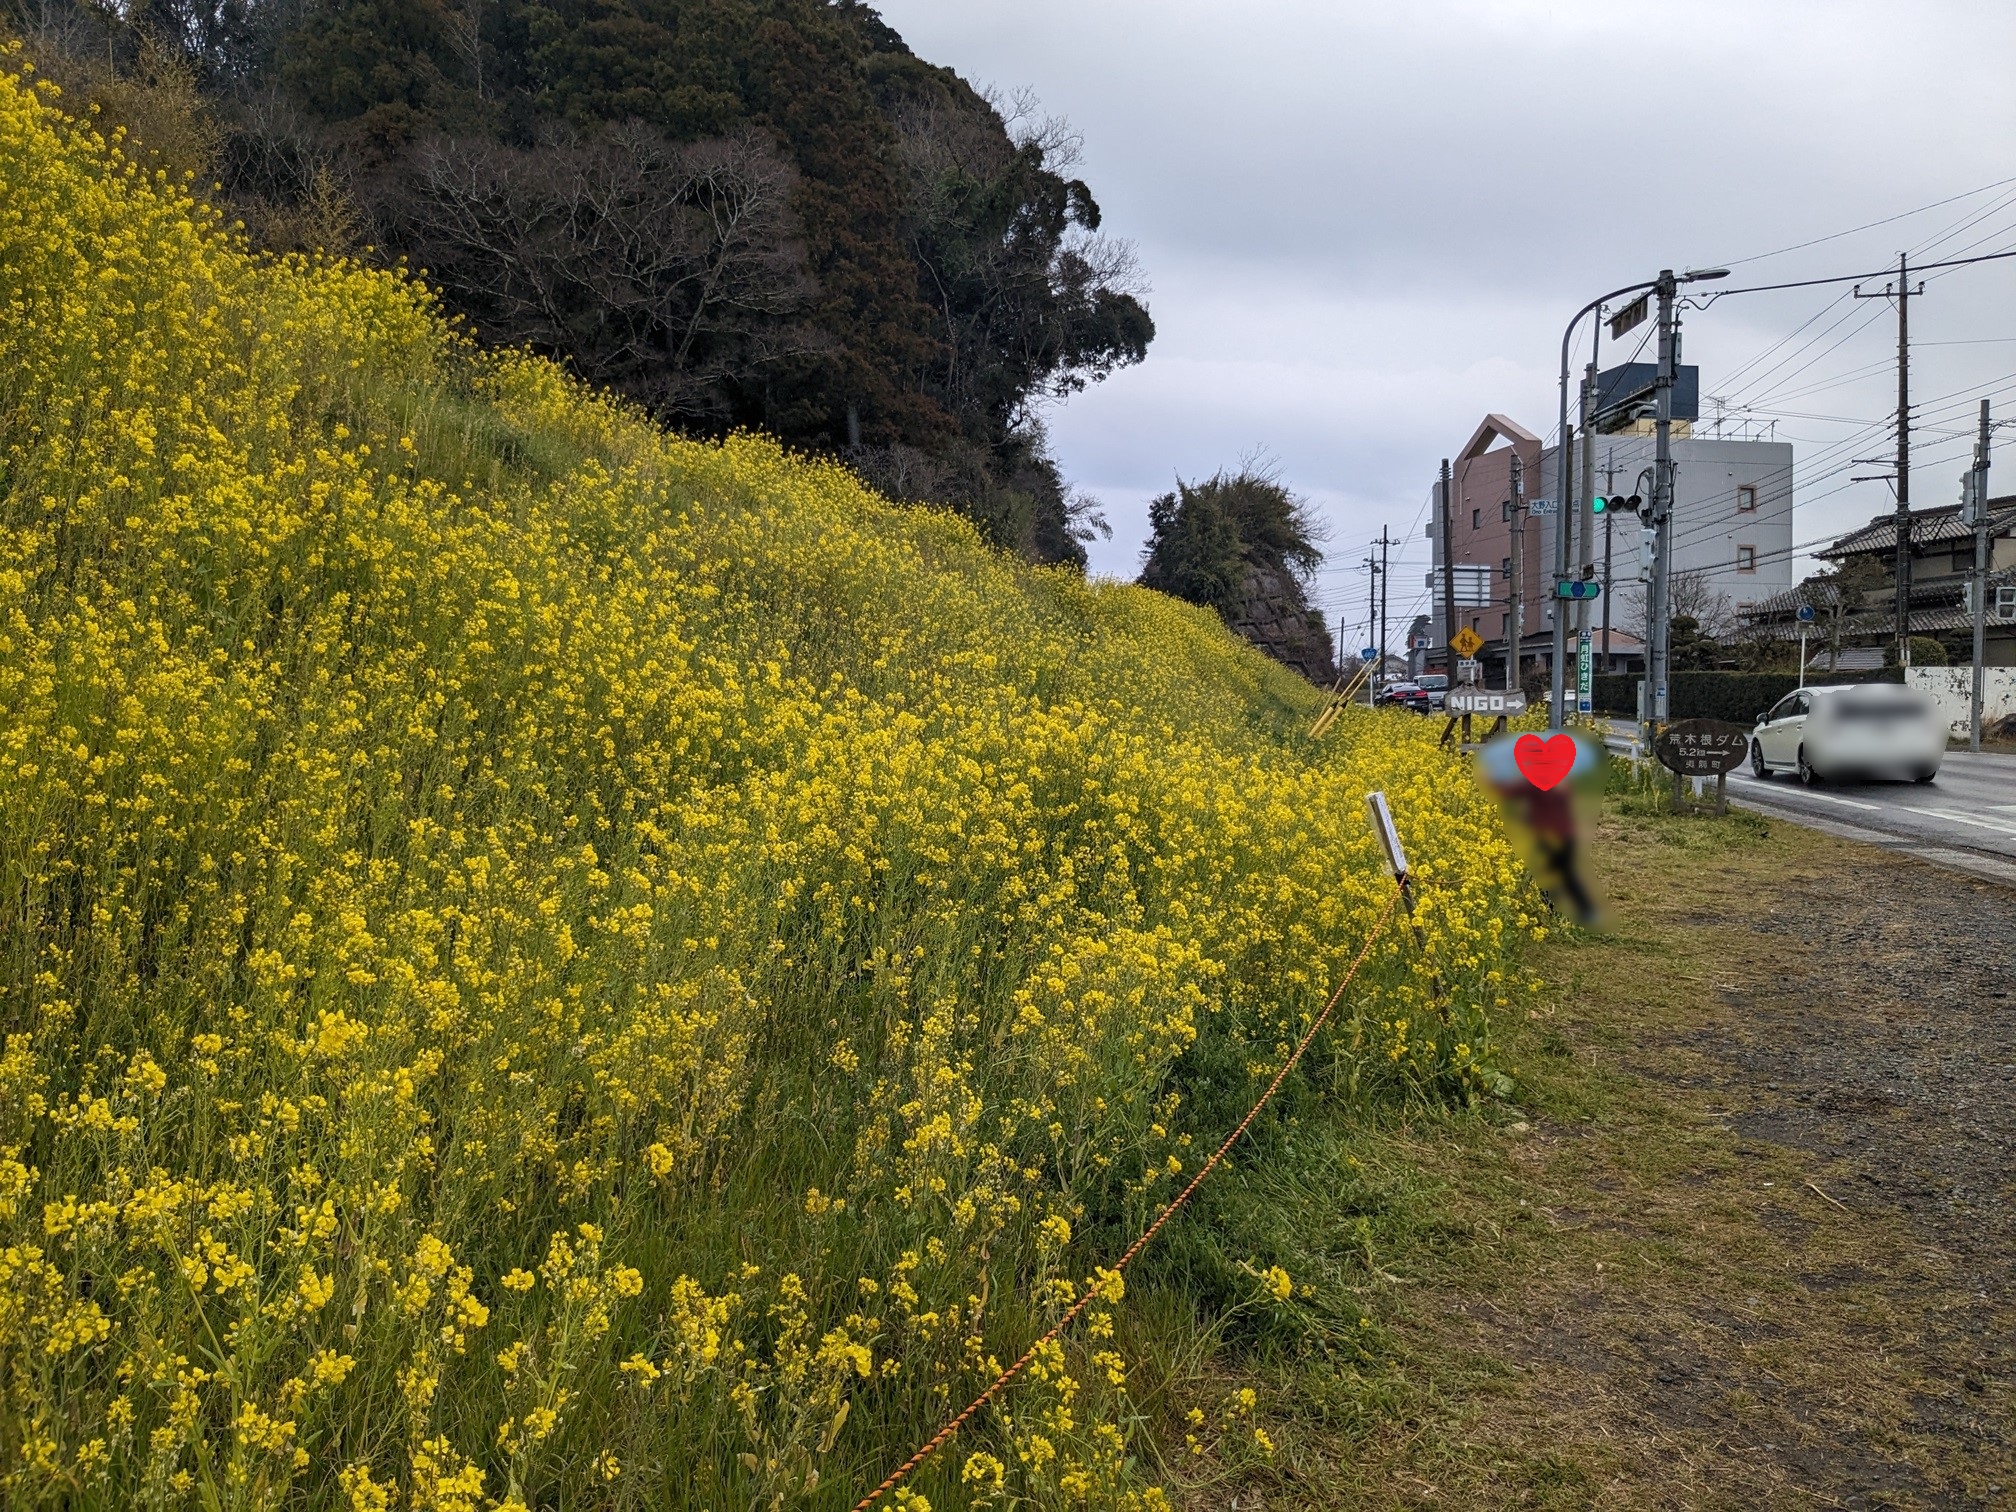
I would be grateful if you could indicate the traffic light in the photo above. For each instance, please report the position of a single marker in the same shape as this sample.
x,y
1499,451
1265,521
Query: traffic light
x,y
1615,503
1599,504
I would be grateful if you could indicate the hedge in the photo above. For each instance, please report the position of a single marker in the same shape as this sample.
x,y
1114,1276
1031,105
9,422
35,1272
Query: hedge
x,y
1736,696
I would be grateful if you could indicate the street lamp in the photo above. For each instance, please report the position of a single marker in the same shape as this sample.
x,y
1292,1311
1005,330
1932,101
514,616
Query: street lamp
x,y
1556,711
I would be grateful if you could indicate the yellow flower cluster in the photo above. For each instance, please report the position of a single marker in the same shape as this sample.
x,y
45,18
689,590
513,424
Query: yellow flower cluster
x,y
549,964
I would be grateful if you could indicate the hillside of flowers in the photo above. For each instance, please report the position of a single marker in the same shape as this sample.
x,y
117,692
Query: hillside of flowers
x,y
547,965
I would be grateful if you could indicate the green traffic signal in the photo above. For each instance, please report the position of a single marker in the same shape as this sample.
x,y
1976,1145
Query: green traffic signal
x,y
1599,504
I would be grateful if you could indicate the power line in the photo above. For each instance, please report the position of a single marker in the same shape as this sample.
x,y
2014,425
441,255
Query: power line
x,y
1867,225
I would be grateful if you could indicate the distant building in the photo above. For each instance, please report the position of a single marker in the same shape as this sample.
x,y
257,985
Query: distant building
x,y
1732,530
1942,560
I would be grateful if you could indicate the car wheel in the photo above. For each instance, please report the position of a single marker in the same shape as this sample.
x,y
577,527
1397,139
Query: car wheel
x,y
1925,776
1806,773
1757,767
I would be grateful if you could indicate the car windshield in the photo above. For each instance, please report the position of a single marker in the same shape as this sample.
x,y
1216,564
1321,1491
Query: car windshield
x,y
1435,682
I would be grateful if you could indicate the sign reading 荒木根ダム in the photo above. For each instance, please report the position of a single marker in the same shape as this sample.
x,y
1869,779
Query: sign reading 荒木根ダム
x,y
1702,747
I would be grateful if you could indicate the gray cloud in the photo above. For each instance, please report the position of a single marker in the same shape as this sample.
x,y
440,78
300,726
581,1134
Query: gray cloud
x,y
1365,224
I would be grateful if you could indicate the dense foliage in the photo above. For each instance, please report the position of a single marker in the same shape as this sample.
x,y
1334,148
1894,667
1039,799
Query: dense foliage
x,y
741,213
1243,544
546,964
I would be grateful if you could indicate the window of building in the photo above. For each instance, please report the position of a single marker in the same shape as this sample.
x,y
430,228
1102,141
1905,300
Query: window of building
x,y
1476,519
1504,509
1506,568
1504,624
1746,498
1746,558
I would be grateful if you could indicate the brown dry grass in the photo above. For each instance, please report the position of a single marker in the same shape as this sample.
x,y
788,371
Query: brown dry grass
x,y
1714,1261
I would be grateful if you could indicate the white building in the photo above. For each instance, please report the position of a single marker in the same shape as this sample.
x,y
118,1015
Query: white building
x,y
1732,524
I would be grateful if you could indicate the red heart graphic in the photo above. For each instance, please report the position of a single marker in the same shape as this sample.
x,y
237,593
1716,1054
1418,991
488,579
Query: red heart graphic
x,y
1544,762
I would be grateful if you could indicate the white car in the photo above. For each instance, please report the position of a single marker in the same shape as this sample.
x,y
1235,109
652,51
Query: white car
x,y
1854,730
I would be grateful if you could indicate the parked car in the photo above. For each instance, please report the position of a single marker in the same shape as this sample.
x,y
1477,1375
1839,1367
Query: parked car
x,y
1856,730
1435,685
1398,692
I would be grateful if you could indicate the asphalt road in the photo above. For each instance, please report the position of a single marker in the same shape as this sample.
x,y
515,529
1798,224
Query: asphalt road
x,y
1964,818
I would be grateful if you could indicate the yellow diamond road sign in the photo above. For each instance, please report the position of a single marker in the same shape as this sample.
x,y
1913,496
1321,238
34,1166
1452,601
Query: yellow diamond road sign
x,y
1466,642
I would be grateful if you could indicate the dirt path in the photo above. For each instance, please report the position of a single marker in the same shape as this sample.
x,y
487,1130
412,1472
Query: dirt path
x,y
1758,1245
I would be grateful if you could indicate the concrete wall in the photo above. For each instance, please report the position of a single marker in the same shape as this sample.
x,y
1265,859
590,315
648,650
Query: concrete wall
x,y
1952,688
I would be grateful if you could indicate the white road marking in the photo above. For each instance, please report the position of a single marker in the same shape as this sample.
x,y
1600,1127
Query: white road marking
x,y
1827,798
2000,829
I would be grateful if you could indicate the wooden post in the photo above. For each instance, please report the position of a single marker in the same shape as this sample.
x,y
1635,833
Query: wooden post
x,y
1721,793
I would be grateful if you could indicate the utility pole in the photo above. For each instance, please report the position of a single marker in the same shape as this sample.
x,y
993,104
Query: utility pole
x,y
1385,576
1904,294
1657,615
1609,519
1586,520
1978,502
1515,622
1448,575
1373,569
1564,545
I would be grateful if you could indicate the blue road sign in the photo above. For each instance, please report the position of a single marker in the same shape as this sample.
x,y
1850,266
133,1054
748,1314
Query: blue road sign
x,y
1806,614
1368,653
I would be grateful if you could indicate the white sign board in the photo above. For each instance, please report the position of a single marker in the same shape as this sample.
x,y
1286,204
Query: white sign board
x,y
1473,585
1483,701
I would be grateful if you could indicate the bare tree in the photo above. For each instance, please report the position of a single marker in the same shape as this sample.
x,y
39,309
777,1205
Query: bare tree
x,y
667,271
1693,595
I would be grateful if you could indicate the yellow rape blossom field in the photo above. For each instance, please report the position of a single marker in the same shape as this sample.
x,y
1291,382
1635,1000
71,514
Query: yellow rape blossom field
x,y
546,964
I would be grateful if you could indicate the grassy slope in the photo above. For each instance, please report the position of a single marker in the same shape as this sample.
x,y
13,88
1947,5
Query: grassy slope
x,y
545,960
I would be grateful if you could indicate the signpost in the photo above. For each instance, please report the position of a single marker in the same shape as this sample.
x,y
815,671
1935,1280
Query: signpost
x,y
1585,667
1702,748
1464,704
1496,701
1805,619
1542,506
1468,670
1466,643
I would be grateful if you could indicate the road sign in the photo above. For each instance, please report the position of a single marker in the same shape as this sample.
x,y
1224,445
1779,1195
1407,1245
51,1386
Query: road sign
x,y
1469,669
1806,614
1481,701
1585,666
1630,317
1702,747
1466,642
1540,506
1368,653
1577,588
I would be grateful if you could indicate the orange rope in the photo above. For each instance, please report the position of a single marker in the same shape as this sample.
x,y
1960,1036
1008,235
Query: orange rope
x,y
938,1439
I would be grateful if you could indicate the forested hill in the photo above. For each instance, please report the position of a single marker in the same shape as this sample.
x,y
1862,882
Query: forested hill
x,y
767,214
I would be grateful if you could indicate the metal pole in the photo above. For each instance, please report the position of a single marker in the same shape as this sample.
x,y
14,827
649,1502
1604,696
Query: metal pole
x,y
1980,578
1515,622
1662,506
1903,465
1384,577
1609,519
1802,656
1448,574
1585,513
1564,462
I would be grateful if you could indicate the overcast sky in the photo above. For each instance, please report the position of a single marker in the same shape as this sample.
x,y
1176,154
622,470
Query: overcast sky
x,y
1365,223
